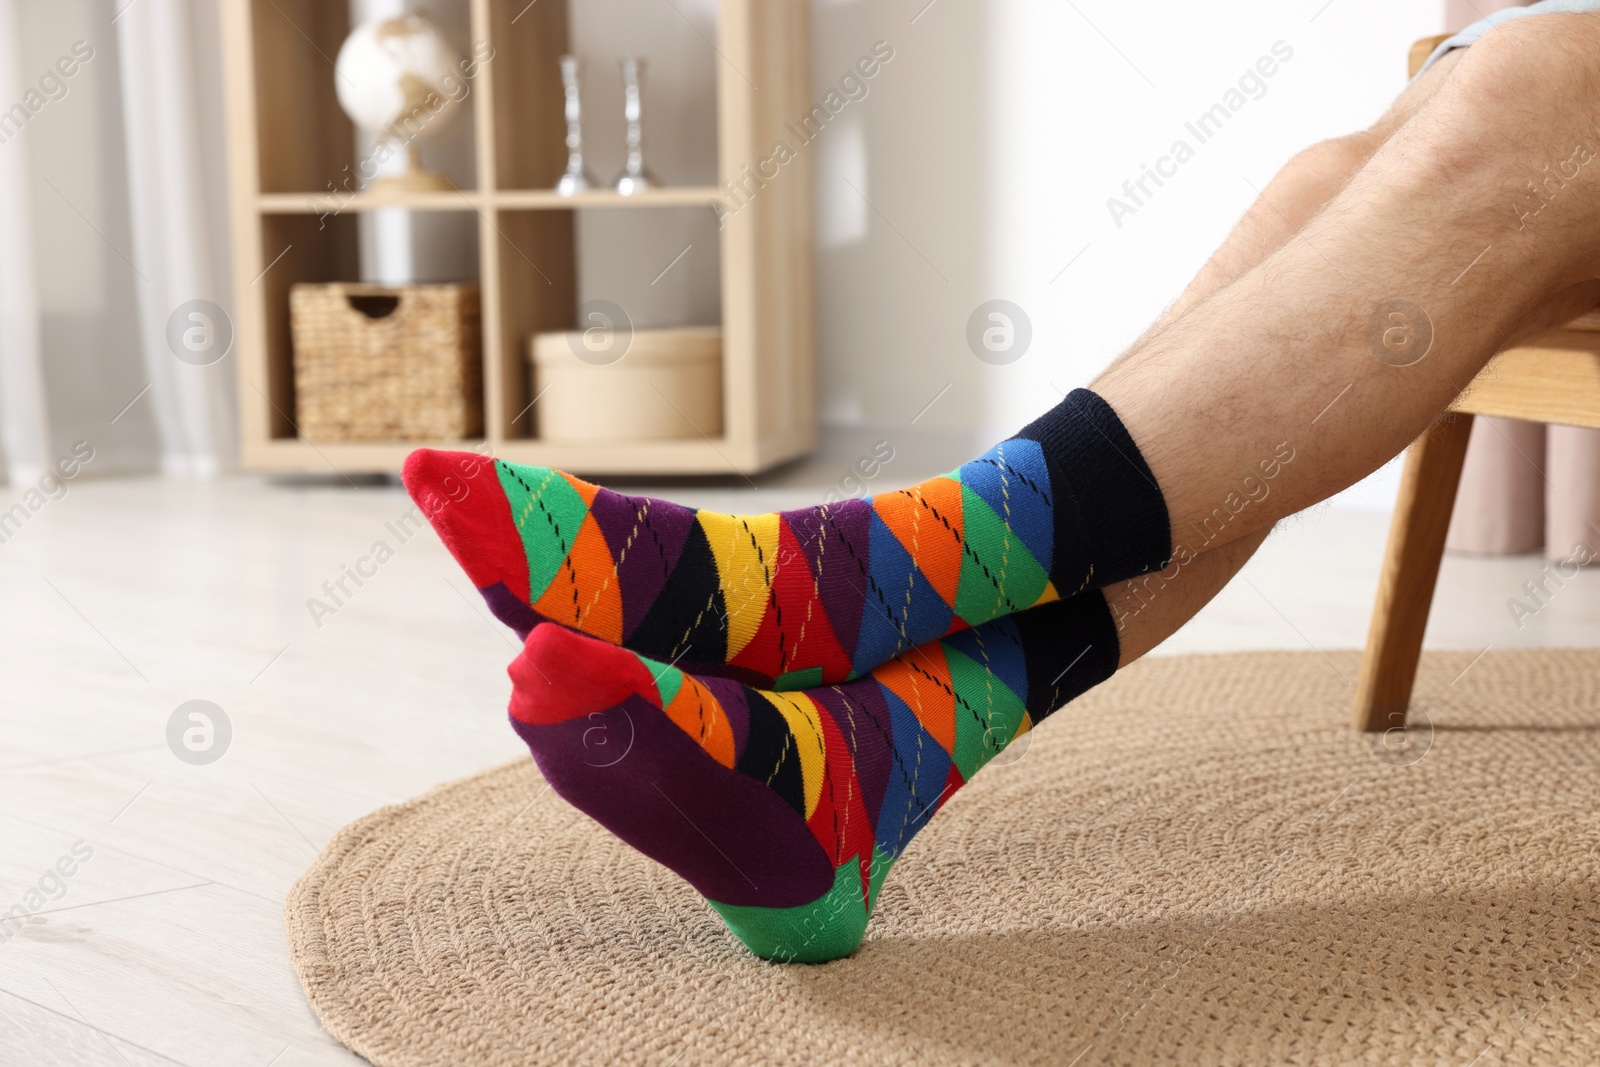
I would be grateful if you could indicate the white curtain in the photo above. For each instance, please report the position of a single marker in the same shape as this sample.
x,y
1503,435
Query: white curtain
x,y
24,424
93,266
173,175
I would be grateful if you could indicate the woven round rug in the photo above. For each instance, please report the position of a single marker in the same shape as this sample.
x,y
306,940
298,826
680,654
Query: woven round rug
x,y
1199,862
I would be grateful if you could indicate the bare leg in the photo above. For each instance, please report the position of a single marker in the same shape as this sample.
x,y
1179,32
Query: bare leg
x,y
1293,352
1151,608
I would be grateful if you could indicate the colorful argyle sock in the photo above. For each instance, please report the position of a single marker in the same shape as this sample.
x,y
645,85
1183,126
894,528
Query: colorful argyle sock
x,y
812,596
786,810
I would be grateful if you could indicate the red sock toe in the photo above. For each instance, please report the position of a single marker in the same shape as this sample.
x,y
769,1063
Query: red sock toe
x,y
561,674
460,494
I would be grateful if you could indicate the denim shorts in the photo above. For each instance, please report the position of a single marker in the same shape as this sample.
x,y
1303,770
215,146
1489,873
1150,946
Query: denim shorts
x,y
1483,26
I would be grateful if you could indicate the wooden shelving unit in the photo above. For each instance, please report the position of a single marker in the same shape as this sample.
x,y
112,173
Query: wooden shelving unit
x,y
288,139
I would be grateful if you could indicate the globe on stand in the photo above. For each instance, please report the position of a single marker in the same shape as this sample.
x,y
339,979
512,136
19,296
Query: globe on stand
x,y
401,79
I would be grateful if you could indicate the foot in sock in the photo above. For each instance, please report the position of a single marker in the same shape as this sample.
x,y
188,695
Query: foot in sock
x,y
786,810
812,596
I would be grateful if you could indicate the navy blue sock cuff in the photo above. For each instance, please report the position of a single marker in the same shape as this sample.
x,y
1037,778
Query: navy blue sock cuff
x,y
1103,493
1070,647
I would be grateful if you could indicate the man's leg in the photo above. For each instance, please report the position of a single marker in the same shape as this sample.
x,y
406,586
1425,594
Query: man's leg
x,y
1151,608
1350,339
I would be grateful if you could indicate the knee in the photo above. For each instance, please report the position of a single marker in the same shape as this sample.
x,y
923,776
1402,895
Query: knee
x,y
1332,162
1344,154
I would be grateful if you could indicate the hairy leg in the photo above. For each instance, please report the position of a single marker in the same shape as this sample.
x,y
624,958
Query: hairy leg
x,y
1435,229
1151,608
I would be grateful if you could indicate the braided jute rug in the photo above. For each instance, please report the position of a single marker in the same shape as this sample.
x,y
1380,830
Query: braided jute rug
x,y
1200,862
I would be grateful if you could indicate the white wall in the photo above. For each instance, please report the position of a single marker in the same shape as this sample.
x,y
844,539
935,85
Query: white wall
x,y
988,148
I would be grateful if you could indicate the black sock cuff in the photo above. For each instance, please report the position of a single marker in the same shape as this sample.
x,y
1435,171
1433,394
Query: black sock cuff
x,y
1103,491
1070,646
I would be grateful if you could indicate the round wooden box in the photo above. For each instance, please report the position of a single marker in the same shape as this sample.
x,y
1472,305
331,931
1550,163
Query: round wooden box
x,y
650,385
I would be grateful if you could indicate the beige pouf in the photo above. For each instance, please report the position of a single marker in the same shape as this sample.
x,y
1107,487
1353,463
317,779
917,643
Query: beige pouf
x,y
1198,863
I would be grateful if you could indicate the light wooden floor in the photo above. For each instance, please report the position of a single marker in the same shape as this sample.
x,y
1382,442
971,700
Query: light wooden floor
x,y
127,598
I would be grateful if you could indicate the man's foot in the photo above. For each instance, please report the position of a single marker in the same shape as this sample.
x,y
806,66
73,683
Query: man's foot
x,y
786,810
811,596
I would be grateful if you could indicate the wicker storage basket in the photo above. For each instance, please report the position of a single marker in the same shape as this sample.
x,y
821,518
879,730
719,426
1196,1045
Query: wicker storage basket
x,y
375,363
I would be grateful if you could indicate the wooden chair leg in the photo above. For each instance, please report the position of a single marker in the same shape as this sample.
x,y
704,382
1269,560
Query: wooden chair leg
x,y
1410,571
